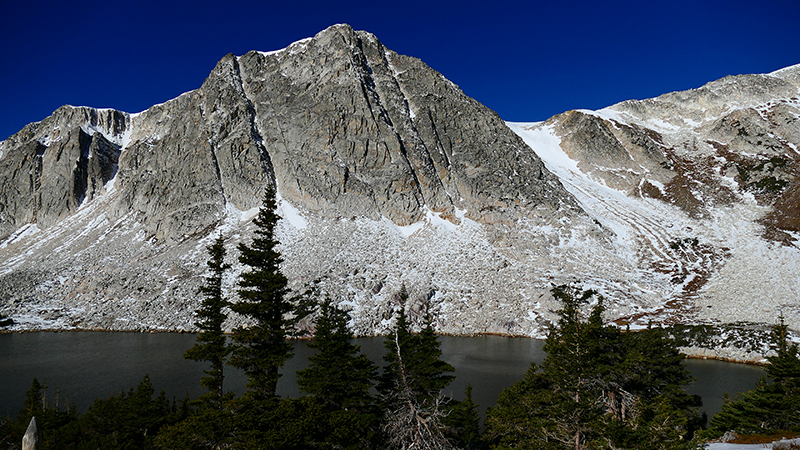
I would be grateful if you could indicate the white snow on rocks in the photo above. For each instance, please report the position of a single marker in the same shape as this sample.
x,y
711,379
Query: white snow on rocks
x,y
757,280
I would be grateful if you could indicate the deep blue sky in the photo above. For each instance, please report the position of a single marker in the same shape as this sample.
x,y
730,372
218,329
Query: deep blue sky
x,y
527,60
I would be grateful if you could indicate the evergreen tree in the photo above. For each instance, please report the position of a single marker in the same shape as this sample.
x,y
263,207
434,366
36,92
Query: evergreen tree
x,y
426,373
35,397
771,406
463,423
200,427
211,345
50,417
784,366
655,411
523,417
127,421
261,348
597,388
338,374
339,378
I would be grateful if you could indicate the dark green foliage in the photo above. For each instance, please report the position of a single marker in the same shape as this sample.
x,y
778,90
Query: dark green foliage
x,y
426,373
53,420
784,366
127,421
597,388
463,423
305,423
338,374
35,397
261,348
208,423
201,428
771,184
130,420
211,342
338,380
744,335
755,175
772,405
524,413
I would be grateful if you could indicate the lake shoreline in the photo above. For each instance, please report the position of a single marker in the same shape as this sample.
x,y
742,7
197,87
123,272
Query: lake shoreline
x,y
724,354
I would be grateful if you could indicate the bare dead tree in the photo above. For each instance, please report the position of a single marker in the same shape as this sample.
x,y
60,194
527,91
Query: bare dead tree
x,y
409,424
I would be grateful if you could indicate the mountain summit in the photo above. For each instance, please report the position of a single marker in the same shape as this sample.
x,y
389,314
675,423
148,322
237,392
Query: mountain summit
x,y
388,174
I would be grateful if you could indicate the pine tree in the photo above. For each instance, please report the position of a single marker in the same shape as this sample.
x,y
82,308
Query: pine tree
x,y
655,411
578,358
338,374
34,397
207,423
784,366
261,348
523,416
128,421
597,387
338,380
211,342
769,407
427,374
463,423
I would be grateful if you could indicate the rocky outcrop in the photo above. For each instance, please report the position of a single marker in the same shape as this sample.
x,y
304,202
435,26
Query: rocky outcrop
x,y
365,146
32,440
683,147
354,129
51,167
709,181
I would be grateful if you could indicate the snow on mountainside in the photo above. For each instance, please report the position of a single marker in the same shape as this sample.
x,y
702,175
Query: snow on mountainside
x,y
698,185
648,230
678,209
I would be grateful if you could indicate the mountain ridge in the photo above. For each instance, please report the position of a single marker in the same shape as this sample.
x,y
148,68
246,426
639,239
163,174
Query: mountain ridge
x,y
387,175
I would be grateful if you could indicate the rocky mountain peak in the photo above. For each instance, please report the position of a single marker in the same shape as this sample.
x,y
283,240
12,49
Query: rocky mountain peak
x,y
344,126
375,155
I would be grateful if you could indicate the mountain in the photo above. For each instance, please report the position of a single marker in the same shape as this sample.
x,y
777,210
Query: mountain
x,y
701,185
388,174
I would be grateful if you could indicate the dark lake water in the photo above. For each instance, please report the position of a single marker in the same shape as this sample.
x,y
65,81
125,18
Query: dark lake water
x,y
88,365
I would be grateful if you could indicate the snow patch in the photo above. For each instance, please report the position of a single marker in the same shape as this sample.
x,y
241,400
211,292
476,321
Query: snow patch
x,y
408,230
544,142
294,48
22,233
290,214
435,220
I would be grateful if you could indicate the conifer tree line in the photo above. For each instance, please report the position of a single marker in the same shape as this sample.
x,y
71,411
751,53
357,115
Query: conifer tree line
x,y
599,387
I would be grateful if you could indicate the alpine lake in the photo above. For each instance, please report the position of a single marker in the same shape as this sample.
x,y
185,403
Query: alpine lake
x,y
79,366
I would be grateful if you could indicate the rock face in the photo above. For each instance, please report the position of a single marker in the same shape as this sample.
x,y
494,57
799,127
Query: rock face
x,y
353,129
32,440
388,174
51,167
346,127
105,213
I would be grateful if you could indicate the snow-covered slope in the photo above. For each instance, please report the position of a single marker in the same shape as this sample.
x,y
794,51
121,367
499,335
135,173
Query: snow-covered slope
x,y
715,267
699,186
